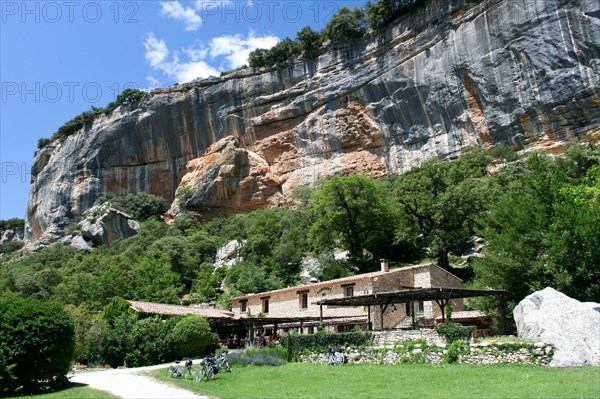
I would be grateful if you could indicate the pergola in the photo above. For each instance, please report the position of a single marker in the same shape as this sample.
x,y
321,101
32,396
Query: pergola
x,y
440,295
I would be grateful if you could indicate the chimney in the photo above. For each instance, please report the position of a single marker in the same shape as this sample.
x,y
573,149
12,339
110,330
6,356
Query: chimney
x,y
385,265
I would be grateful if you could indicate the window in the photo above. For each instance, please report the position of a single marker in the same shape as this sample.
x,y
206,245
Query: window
x,y
304,300
349,291
265,305
421,306
243,305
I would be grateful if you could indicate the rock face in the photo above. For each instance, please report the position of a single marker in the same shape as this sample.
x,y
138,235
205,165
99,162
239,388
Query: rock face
x,y
229,254
519,72
103,225
11,235
572,327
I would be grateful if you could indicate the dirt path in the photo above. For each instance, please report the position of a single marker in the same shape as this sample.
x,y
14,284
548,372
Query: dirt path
x,y
131,384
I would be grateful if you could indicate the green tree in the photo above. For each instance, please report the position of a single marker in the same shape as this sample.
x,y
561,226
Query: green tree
x,y
258,58
154,281
310,41
130,96
12,224
346,24
119,340
37,343
114,309
442,202
383,12
353,213
542,231
43,142
192,335
152,342
90,334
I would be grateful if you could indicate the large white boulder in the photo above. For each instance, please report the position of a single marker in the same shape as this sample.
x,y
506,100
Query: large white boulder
x,y
571,326
103,225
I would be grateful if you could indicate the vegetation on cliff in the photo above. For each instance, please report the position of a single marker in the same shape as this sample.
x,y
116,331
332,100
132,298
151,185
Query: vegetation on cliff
x,y
346,24
86,118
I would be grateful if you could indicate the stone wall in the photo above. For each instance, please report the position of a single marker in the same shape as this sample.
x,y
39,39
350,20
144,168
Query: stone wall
x,y
536,353
383,338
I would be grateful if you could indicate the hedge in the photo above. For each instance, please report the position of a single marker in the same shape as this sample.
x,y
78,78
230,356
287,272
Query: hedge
x,y
321,341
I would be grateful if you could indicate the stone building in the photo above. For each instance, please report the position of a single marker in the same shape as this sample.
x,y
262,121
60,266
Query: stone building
x,y
297,307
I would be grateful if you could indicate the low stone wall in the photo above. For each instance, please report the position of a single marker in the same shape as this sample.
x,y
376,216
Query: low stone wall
x,y
537,353
382,338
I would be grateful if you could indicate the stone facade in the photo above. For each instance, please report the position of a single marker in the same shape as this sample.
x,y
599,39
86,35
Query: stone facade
x,y
301,301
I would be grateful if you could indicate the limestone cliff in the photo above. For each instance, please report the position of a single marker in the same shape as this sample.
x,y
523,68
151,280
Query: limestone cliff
x,y
517,72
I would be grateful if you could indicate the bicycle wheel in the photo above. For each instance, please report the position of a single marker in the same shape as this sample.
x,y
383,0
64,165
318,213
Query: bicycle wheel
x,y
199,374
210,374
172,372
339,358
187,373
227,366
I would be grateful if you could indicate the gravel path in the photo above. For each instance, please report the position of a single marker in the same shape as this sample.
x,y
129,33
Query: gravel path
x,y
130,384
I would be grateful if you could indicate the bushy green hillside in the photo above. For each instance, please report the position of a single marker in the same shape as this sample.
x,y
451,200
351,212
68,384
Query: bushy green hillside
x,y
537,218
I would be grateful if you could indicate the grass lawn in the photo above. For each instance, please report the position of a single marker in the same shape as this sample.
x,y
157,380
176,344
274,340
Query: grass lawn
x,y
299,380
76,392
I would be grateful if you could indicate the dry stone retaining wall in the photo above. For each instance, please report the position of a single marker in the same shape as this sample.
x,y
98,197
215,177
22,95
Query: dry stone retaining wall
x,y
426,346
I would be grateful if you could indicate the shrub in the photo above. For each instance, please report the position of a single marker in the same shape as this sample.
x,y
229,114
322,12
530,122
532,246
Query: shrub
x,y
11,246
37,344
321,341
140,206
192,335
252,356
454,331
454,351
43,142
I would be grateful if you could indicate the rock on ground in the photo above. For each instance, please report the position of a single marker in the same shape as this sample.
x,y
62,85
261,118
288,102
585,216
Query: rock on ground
x,y
571,326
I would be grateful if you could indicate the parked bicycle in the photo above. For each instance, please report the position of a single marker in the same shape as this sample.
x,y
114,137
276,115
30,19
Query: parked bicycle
x,y
333,358
223,362
208,369
178,371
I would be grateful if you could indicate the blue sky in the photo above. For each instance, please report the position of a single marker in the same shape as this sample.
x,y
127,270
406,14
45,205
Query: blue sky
x,y
59,58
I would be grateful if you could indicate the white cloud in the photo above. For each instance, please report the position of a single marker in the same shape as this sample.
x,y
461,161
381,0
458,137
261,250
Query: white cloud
x,y
188,16
152,82
236,48
196,54
156,50
186,72
228,51
181,71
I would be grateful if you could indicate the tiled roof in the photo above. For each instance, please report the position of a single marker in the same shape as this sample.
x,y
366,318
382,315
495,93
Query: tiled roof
x,y
467,315
163,309
338,281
